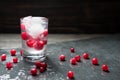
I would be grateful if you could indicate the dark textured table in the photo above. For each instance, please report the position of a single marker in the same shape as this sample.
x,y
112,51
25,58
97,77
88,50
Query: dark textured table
x,y
106,49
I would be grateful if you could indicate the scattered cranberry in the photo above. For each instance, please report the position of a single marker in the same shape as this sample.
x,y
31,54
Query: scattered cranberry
x,y
30,42
62,57
39,45
13,52
15,60
22,26
9,65
44,65
42,69
33,71
95,61
38,64
70,74
45,33
21,52
105,67
72,50
73,61
24,35
77,57
85,55
3,57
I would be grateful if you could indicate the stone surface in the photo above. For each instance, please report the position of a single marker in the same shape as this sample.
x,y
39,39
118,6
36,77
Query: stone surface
x,y
106,49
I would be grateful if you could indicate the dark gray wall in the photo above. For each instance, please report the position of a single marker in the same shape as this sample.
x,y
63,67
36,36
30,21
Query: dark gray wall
x,y
65,16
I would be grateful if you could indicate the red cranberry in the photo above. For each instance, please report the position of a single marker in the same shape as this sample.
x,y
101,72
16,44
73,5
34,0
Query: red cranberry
x,y
3,57
62,57
77,57
95,61
24,35
105,67
85,55
44,65
45,33
22,26
13,52
30,42
70,74
9,65
38,64
33,71
42,69
21,52
15,60
72,50
39,45
45,42
73,61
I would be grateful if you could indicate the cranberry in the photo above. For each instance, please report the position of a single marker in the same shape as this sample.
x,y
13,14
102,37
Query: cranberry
x,y
3,57
21,52
9,65
85,55
38,64
72,50
70,74
22,26
105,67
44,65
95,61
30,42
15,60
77,57
33,71
45,33
42,69
45,42
24,35
39,45
73,61
13,52
62,57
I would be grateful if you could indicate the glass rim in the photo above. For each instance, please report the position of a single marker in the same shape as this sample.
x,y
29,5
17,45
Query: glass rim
x,y
42,17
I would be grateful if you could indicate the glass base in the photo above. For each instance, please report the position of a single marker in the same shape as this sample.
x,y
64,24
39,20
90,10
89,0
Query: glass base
x,y
33,57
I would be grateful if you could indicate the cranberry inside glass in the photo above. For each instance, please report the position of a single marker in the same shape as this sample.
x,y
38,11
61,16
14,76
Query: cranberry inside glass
x,y
34,34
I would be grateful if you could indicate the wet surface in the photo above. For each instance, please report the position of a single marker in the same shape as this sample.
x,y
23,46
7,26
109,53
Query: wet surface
x,y
106,49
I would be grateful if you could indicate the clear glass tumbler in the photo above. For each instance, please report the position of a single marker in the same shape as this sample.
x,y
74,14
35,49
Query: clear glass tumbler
x,y
34,34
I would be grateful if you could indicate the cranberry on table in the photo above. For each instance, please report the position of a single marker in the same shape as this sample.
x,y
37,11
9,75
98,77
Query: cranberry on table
x,y
24,35
38,64
94,61
33,71
70,74
44,65
45,33
72,50
3,57
42,69
73,61
9,65
13,52
62,57
15,60
39,45
105,67
86,56
30,42
77,57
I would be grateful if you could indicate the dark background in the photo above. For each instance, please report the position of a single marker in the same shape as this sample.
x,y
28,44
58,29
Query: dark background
x,y
65,16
